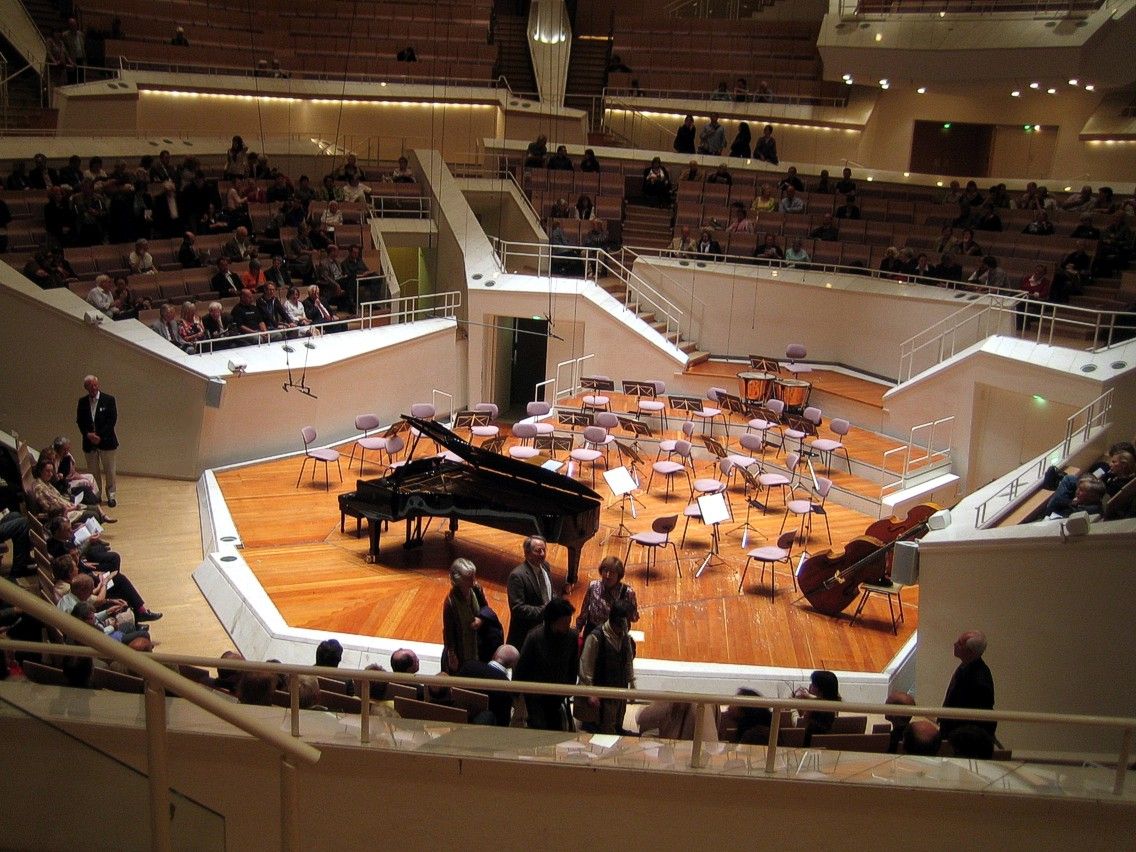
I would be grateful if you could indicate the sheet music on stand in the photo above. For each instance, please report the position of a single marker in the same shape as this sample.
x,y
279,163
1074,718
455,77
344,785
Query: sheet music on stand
x,y
622,484
714,511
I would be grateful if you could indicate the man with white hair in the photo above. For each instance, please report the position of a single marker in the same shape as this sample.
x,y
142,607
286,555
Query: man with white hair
x,y
100,296
96,415
972,685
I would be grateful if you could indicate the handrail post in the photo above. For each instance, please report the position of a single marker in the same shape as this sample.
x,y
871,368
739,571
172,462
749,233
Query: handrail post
x,y
294,702
1122,761
774,735
364,711
157,766
699,732
289,806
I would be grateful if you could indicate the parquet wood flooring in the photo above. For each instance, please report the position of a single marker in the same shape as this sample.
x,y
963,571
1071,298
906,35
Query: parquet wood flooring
x,y
318,576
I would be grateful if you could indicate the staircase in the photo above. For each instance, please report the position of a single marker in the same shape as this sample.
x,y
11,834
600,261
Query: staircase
x,y
587,76
25,111
618,289
646,226
513,60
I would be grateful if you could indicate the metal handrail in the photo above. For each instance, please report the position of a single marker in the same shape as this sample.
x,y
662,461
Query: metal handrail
x,y
639,292
751,98
1094,415
942,456
159,679
1039,10
399,206
1127,726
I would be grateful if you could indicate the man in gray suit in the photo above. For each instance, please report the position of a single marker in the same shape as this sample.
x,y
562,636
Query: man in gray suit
x,y
530,589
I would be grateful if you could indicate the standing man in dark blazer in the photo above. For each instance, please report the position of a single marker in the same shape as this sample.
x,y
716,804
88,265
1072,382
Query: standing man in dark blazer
x,y
96,415
972,685
530,589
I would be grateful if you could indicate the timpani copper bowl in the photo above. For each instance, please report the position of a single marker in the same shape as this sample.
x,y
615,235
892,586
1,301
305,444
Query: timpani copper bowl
x,y
793,392
755,386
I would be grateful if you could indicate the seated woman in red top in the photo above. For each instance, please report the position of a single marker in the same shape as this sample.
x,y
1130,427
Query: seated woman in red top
x,y
1035,288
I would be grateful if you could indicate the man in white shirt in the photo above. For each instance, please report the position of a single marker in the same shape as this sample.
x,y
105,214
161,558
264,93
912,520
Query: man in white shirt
x,y
100,295
791,202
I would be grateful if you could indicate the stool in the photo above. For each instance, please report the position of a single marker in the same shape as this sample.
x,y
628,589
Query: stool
x,y
895,590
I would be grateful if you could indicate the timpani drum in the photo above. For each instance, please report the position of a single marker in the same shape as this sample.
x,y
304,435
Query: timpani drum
x,y
755,386
793,392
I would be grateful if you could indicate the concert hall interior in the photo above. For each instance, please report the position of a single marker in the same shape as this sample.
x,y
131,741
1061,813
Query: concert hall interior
x,y
518,331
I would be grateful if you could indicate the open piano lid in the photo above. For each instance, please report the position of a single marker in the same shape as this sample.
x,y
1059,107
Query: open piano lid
x,y
504,465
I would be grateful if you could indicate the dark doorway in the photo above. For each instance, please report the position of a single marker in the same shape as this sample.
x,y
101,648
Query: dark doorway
x,y
951,148
530,350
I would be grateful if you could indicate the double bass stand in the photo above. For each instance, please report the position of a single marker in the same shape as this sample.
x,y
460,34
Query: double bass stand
x,y
714,510
621,481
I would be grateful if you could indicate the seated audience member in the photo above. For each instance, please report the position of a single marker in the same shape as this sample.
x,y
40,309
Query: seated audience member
x,y
304,193
404,661
58,216
751,724
891,266
657,183
764,202
922,738
791,202
278,273
742,144
100,296
1087,497
331,280
1085,229
294,308
674,720
899,722
999,196
270,309
239,247
683,244
280,190
824,686
189,327
328,191
739,222
966,245
215,323
561,209
560,161
598,237
67,469
402,172
355,192
988,218
247,318
589,163
354,269
608,659
707,246
1080,201
763,94
256,688
189,255
1114,249
126,304
722,93
537,152
712,138
167,327
330,220
971,196
849,209
253,277
692,172
1028,199
226,282
947,269
684,137
504,660
826,230
1106,201
765,149
796,255
721,175
1040,226
1110,465
95,559
846,186
140,259
791,179
550,654
972,742
584,209
989,274
315,309
350,167
769,250
823,187
922,268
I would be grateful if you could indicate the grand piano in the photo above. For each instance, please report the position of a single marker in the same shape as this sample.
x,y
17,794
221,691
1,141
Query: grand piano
x,y
484,488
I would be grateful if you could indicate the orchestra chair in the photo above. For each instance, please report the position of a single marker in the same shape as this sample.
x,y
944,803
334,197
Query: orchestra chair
x,y
827,446
708,412
594,438
658,537
598,399
795,352
423,411
703,487
769,556
485,431
315,454
769,481
803,427
768,420
366,423
892,592
524,432
805,509
754,444
668,446
647,400
608,421
395,445
537,410
669,469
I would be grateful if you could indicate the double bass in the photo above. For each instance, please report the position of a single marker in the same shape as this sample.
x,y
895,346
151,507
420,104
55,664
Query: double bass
x,y
830,580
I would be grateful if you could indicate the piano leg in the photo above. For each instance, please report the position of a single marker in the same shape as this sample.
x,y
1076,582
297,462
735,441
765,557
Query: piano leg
x,y
573,565
414,540
374,527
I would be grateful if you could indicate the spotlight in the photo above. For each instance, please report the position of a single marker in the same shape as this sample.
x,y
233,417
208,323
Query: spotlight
x,y
846,77
1073,82
1016,93
1089,87
922,90
237,366
884,83
1037,128
1035,85
1051,91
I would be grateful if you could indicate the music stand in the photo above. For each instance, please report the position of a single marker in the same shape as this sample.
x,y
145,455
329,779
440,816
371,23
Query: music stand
x,y
636,427
751,503
714,509
576,418
553,443
622,485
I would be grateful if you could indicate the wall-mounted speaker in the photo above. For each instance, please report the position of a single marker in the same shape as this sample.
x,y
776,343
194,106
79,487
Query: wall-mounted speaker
x,y
940,520
905,563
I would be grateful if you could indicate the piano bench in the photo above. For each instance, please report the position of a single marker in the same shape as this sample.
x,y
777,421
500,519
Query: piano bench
x,y
358,516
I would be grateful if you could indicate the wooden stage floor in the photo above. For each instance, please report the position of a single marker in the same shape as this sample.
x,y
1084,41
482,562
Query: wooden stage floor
x,y
318,577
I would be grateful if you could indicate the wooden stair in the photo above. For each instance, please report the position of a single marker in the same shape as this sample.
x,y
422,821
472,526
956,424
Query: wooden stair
x,y
619,290
646,226
513,60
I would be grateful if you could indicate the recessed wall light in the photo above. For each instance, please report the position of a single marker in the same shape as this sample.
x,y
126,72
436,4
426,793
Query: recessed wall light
x,y
879,36
1035,85
1089,87
922,90
1073,82
1051,91
1016,93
